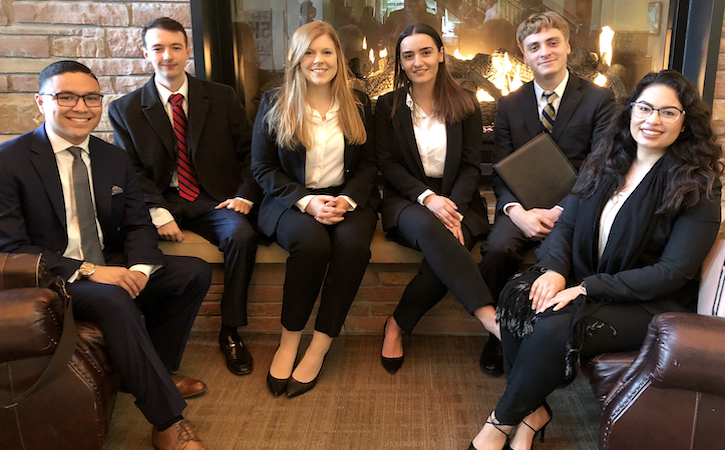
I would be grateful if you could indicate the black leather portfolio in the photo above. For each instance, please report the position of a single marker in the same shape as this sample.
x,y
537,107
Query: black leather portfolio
x,y
538,173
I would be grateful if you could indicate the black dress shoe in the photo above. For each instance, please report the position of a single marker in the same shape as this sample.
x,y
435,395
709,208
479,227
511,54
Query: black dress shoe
x,y
391,365
295,388
491,361
276,386
239,360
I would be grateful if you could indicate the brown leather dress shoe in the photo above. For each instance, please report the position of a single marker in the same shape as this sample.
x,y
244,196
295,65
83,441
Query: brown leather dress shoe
x,y
179,436
188,387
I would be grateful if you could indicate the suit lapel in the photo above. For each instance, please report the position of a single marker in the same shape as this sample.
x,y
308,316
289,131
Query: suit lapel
x,y
43,159
100,167
198,108
155,113
406,123
529,107
454,138
569,104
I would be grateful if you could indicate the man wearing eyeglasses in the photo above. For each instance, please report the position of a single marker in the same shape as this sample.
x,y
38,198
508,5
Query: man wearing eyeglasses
x,y
190,142
573,111
76,200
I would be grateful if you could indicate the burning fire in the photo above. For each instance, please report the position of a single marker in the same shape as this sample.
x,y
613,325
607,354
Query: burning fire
x,y
505,78
383,53
484,96
371,56
460,57
601,80
365,43
605,45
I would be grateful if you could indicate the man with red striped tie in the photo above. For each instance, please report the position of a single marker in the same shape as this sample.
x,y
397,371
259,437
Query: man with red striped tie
x,y
189,141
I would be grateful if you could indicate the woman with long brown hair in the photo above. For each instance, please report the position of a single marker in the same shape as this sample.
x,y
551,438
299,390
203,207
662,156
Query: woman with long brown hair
x,y
428,142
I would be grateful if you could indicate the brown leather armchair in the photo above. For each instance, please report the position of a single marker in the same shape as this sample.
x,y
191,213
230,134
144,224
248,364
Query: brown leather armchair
x,y
73,410
670,394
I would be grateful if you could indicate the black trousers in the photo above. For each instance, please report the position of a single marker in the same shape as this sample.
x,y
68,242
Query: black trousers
x,y
501,254
336,255
535,364
447,265
234,235
146,337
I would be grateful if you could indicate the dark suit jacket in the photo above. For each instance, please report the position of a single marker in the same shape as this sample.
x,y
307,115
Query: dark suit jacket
x,y
280,171
584,112
218,136
405,180
664,278
32,209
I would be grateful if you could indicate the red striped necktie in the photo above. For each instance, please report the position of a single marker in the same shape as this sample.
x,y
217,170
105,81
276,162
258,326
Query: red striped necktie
x,y
188,183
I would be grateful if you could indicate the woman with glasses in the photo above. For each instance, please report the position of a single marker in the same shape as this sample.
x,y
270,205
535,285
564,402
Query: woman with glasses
x,y
629,245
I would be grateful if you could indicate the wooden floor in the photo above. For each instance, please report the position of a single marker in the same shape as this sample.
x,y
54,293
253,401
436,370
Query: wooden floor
x,y
438,400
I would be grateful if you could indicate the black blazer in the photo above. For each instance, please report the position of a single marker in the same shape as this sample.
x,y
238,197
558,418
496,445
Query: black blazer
x,y
280,171
32,209
664,278
584,113
218,134
405,180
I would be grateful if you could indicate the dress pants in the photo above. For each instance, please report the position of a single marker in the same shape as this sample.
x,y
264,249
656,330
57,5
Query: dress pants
x,y
535,364
333,255
234,235
146,337
501,254
447,265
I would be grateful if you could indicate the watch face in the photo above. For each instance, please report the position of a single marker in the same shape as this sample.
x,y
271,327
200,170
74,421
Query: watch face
x,y
87,269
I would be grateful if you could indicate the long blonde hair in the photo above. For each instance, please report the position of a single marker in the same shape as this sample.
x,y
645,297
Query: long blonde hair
x,y
286,116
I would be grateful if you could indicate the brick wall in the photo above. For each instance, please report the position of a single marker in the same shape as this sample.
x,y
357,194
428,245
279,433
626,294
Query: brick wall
x,y
104,35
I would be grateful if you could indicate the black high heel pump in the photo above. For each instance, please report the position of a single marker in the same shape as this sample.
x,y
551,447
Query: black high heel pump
x,y
391,365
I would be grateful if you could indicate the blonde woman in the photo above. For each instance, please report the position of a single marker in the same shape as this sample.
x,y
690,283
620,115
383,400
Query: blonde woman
x,y
312,156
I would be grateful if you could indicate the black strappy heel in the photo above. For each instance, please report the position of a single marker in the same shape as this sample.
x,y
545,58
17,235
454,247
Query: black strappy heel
x,y
506,445
543,428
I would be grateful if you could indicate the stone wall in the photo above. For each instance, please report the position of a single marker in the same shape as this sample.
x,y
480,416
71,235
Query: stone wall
x,y
104,35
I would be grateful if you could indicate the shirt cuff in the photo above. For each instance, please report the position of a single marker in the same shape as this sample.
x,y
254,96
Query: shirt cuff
x,y
506,207
160,216
353,203
424,195
146,269
248,202
302,203
561,208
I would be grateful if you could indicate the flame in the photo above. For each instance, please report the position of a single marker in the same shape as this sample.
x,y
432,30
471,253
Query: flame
x,y
460,57
605,45
600,80
365,43
372,56
383,53
484,96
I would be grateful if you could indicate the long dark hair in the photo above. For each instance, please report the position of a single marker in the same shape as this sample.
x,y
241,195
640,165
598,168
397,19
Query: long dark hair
x,y
693,159
451,102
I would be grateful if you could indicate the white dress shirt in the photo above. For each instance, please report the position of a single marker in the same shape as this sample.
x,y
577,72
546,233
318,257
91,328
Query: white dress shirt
x,y
432,141
325,160
160,215
64,160
541,104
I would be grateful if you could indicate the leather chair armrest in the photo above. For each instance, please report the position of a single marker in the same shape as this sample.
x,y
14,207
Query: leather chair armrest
x,y
30,323
682,351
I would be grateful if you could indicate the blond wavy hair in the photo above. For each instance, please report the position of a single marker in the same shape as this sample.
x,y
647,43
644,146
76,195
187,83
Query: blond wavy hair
x,y
286,116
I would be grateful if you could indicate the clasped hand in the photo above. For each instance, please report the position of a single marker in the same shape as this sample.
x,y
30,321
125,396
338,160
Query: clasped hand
x,y
327,209
446,211
548,290
535,223
131,281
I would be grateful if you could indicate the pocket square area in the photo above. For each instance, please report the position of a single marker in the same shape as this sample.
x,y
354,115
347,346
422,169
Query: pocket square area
x,y
116,190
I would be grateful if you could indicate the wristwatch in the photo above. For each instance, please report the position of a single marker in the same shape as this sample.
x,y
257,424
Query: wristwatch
x,y
86,270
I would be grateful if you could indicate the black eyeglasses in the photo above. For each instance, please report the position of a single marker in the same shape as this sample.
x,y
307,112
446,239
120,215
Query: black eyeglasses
x,y
668,114
67,99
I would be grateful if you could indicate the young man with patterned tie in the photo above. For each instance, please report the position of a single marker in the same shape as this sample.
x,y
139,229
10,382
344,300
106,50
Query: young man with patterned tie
x,y
574,111
76,200
190,143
